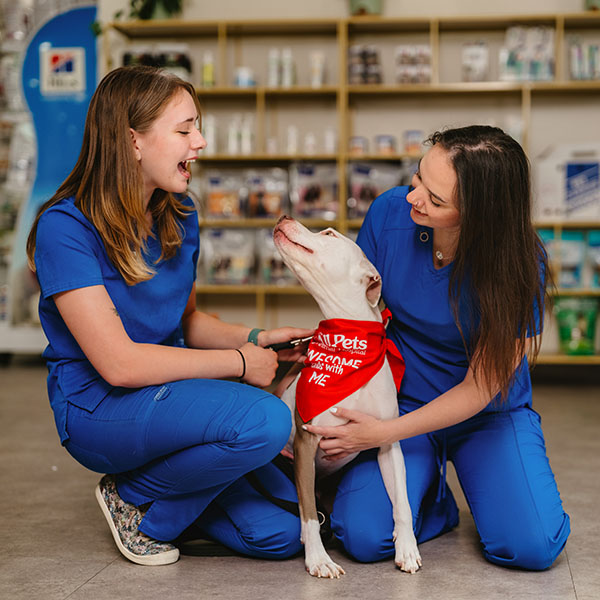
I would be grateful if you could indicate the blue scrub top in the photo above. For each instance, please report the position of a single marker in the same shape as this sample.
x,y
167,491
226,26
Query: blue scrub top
x,y
70,254
423,326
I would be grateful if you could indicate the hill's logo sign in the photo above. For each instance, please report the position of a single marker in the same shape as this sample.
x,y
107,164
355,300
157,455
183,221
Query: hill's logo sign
x,y
62,71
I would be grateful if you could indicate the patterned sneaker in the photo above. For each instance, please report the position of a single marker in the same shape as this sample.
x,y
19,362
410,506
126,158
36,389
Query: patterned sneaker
x,y
123,520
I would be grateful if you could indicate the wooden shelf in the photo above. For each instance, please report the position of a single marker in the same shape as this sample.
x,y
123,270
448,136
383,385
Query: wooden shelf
x,y
568,359
265,158
258,223
250,288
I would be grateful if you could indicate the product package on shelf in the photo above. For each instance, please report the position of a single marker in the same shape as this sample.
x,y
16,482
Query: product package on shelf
x,y
567,180
271,268
576,318
267,192
227,256
593,259
222,195
584,60
364,65
172,57
412,63
475,61
572,252
365,182
314,190
527,54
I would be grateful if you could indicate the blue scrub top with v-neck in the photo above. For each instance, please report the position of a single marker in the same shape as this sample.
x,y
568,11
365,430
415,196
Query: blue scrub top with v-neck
x,y
70,254
423,325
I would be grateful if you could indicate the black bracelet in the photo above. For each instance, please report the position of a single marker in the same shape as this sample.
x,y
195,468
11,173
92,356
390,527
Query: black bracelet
x,y
243,363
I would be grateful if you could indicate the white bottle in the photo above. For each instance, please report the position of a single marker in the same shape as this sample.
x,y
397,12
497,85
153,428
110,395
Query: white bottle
x,y
209,125
233,135
292,140
247,135
288,68
274,68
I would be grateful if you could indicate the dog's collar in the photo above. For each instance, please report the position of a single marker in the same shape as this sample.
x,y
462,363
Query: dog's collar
x,y
343,355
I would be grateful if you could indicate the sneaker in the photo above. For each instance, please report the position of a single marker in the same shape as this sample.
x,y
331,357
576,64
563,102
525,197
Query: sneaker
x,y
124,519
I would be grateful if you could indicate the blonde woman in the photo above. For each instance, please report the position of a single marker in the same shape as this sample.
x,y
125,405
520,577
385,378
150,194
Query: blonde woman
x,y
137,376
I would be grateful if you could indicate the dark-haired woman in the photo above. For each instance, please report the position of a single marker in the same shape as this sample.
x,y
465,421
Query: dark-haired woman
x,y
465,277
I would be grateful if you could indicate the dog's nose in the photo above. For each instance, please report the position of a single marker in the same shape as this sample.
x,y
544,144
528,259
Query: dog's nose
x,y
284,218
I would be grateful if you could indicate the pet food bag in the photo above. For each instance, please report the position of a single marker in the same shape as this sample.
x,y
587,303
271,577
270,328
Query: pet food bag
x,y
227,256
576,318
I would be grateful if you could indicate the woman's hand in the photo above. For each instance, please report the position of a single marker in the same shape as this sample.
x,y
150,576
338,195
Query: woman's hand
x,y
361,432
261,364
285,334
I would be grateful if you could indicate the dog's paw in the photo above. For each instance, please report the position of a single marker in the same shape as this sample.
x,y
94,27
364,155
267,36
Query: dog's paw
x,y
408,558
324,567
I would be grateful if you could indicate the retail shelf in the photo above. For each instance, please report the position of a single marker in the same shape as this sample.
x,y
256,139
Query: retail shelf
x,y
27,339
567,359
258,223
250,288
265,158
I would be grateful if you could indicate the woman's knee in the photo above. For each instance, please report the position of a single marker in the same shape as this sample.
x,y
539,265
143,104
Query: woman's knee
x,y
528,550
275,538
365,543
267,427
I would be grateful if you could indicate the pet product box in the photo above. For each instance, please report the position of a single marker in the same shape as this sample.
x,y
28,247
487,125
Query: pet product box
x,y
567,183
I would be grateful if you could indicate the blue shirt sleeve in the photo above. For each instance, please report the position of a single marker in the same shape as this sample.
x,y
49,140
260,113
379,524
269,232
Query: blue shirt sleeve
x,y
65,255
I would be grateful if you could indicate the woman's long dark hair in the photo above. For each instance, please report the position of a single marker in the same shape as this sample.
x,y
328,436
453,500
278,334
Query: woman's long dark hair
x,y
500,256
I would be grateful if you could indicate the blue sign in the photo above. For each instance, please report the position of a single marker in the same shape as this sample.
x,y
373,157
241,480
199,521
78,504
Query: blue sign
x,y
59,76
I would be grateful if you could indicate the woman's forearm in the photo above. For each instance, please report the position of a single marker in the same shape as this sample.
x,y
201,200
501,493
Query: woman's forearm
x,y
203,331
454,406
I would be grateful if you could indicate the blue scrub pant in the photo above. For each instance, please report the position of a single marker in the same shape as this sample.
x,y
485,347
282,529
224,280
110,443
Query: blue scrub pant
x,y
186,444
501,463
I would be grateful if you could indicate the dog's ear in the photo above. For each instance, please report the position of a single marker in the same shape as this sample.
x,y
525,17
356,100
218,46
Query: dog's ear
x,y
373,291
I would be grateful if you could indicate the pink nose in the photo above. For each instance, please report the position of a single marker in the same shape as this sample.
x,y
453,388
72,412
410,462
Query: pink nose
x,y
284,218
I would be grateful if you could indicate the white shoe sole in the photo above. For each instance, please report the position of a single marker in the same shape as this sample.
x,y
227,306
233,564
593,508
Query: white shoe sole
x,y
163,558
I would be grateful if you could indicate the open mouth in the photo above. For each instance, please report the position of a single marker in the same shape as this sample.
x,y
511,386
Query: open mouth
x,y
184,168
279,232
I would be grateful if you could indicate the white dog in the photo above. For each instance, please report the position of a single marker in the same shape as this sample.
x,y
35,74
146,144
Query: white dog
x,y
347,287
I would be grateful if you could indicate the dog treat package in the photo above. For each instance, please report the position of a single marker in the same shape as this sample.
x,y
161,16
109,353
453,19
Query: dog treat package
x,y
271,268
314,190
223,196
227,256
267,192
366,182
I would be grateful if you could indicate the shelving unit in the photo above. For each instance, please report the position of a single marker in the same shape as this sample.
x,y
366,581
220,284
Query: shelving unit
x,y
357,109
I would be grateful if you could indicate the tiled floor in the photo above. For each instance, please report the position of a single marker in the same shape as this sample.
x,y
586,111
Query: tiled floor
x,y
57,545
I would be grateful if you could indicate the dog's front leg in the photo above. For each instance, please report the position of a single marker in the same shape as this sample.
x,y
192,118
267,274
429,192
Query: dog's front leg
x,y
317,561
393,472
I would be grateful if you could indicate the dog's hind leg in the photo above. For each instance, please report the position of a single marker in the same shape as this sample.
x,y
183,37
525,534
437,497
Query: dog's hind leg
x,y
317,561
393,472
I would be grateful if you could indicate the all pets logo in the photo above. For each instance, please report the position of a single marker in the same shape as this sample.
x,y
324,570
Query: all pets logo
x,y
340,341
62,71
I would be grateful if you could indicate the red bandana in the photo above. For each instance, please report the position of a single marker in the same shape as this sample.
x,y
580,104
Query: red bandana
x,y
343,355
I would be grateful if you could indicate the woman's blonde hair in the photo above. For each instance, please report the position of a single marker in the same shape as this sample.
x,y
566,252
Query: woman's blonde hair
x,y
107,180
